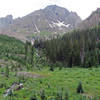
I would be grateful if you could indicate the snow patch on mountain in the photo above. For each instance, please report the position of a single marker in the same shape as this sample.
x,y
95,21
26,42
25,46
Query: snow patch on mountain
x,y
51,25
37,29
60,24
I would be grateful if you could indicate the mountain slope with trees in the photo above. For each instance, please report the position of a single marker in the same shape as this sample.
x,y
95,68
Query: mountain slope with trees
x,y
26,75
76,48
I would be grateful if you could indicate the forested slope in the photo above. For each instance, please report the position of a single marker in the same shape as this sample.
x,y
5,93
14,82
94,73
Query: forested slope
x,y
11,50
76,48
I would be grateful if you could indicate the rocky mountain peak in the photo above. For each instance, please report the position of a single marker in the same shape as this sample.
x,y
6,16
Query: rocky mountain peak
x,y
5,21
52,19
98,10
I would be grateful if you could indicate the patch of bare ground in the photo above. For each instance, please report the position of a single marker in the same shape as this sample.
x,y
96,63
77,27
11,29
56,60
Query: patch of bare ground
x,y
88,96
3,63
30,74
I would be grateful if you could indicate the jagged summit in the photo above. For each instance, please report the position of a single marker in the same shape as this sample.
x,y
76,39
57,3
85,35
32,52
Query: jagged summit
x,y
53,19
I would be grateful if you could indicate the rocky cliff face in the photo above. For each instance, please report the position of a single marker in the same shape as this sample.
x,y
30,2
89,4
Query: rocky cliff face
x,y
92,20
5,21
53,19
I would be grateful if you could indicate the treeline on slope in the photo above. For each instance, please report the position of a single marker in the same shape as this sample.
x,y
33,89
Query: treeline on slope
x,y
77,48
11,49
15,53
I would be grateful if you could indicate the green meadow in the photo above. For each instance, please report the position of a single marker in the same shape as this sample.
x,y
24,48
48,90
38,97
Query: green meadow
x,y
59,81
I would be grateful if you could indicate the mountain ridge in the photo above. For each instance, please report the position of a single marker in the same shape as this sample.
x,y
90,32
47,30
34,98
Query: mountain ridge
x,y
52,19
92,20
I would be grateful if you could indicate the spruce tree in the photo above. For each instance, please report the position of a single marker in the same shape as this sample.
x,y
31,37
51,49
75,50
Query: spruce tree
x,y
80,88
66,97
7,71
42,94
26,50
32,54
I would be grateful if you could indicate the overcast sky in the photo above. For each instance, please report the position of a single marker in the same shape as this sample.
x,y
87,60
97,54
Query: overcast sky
x,y
19,8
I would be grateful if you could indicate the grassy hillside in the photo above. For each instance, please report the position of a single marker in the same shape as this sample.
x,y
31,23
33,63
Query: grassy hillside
x,y
11,49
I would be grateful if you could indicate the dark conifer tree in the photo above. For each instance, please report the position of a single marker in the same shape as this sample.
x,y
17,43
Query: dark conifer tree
x,y
80,88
